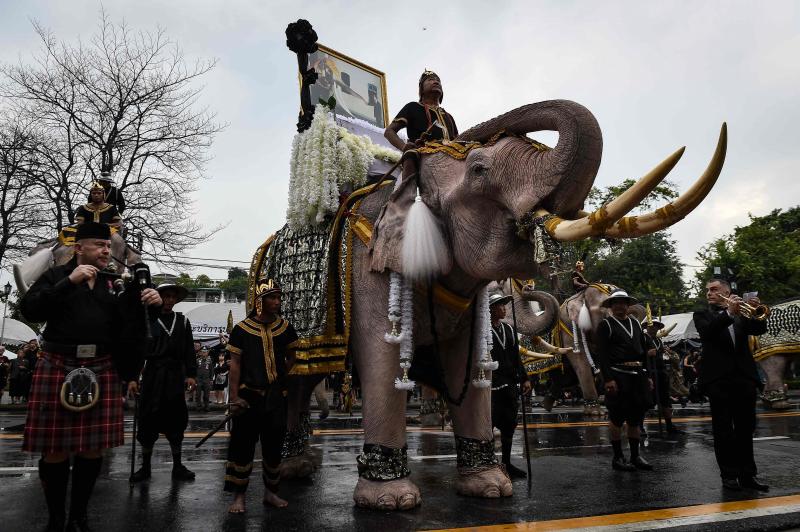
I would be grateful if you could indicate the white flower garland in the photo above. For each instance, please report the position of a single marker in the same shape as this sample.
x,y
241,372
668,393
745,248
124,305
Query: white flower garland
x,y
484,341
324,158
395,312
401,310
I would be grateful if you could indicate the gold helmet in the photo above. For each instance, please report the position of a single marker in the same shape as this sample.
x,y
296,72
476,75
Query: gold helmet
x,y
266,286
96,186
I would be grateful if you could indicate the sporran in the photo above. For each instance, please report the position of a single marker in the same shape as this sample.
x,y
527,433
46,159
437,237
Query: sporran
x,y
80,390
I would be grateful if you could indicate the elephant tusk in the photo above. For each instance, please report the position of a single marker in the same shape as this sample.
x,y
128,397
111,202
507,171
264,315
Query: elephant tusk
x,y
597,222
663,217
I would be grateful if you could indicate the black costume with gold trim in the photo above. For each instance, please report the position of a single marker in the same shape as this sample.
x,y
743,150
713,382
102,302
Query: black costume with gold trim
x,y
418,117
262,348
104,214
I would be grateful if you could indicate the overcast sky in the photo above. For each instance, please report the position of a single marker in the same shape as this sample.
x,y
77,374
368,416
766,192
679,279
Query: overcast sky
x,y
657,75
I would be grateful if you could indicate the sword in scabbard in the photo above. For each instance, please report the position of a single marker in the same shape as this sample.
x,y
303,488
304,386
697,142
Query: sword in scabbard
x,y
214,430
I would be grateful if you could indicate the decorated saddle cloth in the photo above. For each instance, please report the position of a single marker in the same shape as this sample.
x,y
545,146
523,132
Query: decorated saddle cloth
x,y
313,266
783,331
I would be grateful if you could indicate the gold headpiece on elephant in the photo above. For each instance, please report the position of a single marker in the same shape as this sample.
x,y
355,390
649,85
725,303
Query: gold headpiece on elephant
x,y
429,74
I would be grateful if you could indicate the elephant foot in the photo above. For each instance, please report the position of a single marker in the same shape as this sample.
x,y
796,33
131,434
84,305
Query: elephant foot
x,y
400,494
489,482
776,400
300,466
592,408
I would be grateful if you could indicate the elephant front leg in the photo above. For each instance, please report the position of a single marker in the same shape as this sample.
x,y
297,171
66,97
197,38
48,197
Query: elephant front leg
x,y
479,473
774,396
383,472
586,380
296,461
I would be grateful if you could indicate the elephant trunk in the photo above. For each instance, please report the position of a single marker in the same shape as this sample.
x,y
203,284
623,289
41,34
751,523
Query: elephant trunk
x,y
559,179
530,323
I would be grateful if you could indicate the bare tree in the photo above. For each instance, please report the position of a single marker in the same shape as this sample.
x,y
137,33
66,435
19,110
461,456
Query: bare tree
x,y
23,211
126,102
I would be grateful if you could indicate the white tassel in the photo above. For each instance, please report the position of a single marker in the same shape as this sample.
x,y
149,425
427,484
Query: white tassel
x,y
585,318
425,252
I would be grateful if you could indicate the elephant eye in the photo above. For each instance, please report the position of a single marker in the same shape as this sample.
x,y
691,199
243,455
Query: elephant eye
x,y
479,169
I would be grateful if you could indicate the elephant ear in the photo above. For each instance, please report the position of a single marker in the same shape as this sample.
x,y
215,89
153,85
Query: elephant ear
x,y
386,245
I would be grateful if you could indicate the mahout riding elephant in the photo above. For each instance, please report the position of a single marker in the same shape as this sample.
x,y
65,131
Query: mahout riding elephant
x,y
776,348
494,206
579,317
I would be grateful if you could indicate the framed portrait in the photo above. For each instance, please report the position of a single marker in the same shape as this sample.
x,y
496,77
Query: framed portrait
x,y
359,90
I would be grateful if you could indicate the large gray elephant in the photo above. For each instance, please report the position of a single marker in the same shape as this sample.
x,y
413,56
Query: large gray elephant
x,y
776,348
579,318
494,205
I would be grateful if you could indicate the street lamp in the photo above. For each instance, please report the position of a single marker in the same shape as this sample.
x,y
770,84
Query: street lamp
x,y
6,293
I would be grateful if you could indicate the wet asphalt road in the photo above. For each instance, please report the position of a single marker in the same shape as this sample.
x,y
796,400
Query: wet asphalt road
x,y
572,477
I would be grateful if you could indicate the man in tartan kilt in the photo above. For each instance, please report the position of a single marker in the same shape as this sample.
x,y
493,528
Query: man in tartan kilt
x,y
89,327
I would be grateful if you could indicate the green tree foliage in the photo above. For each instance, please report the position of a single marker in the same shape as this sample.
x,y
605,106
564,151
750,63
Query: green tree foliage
x,y
201,281
236,282
764,256
648,268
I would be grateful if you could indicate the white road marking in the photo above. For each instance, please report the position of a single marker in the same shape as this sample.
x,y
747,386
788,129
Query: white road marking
x,y
764,438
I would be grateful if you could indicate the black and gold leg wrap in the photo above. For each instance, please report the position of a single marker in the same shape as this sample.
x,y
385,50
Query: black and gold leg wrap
x,y
237,476
473,455
272,478
377,462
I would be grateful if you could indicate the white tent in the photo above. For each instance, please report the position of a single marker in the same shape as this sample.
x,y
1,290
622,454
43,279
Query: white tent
x,y
16,332
684,327
210,319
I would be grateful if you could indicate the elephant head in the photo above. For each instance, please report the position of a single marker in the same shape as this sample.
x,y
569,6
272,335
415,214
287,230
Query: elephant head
x,y
485,199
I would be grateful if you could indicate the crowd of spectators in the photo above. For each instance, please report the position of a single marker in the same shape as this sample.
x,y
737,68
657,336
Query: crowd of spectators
x,y
16,372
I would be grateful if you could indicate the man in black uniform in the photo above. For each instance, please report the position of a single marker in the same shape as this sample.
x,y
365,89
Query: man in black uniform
x,y
657,365
423,117
88,327
509,373
170,367
259,347
729,378
622,356
113,196
205,373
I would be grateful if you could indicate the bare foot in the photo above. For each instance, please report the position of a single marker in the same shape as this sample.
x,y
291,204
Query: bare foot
x,y
490,483
237,506
271,499
399,494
